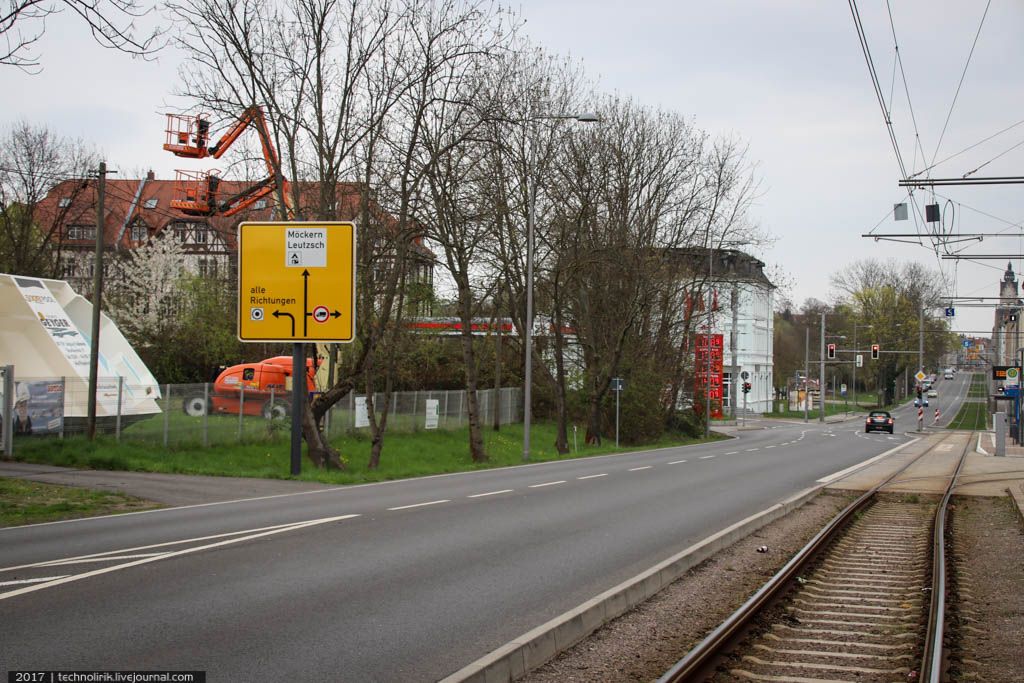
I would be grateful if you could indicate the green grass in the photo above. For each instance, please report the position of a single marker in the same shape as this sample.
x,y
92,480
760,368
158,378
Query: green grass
x,y
972,415
978,388
830,409
404,455
30,502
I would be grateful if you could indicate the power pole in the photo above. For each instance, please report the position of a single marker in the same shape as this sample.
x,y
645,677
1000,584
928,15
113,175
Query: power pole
x,y
807,368
821,372
735,358
97,298
920,342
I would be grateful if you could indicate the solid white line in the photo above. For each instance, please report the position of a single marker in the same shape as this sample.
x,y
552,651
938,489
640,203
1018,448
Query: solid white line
x,y
105,558
419,505
706,457
677,462
490,493
69,560
592,476
186,551
548,483
24,581
637,469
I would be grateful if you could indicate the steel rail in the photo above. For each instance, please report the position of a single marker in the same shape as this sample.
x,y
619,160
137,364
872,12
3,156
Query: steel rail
x,y
931,661
697,659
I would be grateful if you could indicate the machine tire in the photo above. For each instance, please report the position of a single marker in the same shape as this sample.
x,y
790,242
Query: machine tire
x,y
195,405
275,409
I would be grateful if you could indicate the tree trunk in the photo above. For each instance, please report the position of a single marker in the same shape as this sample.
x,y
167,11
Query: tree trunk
x,y
476,439
320,453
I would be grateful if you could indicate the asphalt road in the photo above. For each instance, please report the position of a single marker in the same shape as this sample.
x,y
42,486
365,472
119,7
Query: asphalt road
x,y
401,581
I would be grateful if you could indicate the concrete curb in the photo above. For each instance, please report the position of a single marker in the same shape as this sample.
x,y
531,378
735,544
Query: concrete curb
x,y
535,647
1017,495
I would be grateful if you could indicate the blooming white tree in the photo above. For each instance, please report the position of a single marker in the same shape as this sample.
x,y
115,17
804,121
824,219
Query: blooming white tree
x,y
146,301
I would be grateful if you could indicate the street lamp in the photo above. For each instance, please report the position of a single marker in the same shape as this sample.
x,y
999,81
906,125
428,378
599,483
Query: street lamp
x,y
588,117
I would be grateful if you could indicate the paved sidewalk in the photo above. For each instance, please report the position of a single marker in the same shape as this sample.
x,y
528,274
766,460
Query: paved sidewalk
x,y
169,489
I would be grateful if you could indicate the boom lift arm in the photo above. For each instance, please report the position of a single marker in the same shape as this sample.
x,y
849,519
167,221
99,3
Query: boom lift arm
x,y
199,194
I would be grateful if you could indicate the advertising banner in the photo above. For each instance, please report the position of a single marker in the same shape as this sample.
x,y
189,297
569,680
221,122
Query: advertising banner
x,y
708,372
38,407
432,413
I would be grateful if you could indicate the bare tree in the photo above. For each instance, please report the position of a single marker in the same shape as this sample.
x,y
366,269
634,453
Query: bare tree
x,y
33,162
111,22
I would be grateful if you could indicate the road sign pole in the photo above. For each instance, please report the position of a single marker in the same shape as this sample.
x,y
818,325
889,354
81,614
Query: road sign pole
x,y
298,403
618,392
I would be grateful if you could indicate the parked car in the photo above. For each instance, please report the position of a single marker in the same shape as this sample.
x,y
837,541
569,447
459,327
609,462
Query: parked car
x,y
879,420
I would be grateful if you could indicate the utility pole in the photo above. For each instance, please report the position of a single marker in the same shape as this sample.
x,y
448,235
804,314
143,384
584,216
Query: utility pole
x,y
821,372
97,298
807,368
920,342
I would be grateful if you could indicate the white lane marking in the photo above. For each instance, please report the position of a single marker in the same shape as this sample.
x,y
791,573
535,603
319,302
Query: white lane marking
x,y
751,450
186,551
490,493
105,558
24,581
767,447
637,469
419,505
592,476
679,462
547,483
732,452
706,457
70,560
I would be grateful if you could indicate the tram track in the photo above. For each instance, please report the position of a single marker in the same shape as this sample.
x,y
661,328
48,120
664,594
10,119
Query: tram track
x,y
863,601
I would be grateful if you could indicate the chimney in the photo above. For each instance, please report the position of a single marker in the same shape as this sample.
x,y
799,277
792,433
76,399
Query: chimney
x,y
150,175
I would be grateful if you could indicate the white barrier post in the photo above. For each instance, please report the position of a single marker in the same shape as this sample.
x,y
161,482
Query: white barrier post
x,y
167,411
120,396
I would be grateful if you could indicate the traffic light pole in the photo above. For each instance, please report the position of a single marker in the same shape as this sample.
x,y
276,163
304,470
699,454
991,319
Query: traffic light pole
x,y
821,372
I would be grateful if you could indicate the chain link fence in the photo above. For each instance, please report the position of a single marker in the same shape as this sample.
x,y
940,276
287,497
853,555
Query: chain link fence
x,y
176,415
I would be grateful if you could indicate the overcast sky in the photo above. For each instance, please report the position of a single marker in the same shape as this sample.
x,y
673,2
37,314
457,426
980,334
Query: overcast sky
x,y
787,76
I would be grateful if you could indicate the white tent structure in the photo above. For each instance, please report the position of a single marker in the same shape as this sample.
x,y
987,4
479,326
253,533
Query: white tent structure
x,y
44,334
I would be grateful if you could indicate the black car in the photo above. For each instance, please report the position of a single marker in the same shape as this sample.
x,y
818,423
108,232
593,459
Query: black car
x,y
880,420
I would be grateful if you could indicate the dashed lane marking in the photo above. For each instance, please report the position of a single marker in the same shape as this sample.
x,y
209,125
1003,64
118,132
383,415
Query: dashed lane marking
x,y
706,457
677,462
637,469
490,493
547,483
767,447
751,450
419,505
592,476
732,452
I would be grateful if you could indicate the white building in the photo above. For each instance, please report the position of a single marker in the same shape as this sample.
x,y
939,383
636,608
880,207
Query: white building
x,y
745,298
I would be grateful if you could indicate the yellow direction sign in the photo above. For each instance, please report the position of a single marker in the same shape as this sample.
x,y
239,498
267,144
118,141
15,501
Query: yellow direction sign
x,y
296,282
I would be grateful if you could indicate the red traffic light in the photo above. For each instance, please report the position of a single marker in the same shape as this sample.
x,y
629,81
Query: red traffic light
x,y
831,351
874,351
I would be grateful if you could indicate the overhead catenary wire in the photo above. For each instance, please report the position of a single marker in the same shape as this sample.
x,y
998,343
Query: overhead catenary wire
x,y
966,149
918,148
960,84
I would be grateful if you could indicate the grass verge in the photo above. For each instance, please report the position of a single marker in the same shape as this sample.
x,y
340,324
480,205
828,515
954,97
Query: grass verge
x,y
404,455
972,415
30,502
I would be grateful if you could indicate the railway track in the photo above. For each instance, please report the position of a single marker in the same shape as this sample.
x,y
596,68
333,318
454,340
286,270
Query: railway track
x,y
863,601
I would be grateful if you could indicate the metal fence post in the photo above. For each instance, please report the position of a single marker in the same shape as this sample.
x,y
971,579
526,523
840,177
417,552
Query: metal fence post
x,y
415,411
63,403
352,408
8,426
462,401
167,411
241,409
270,413
206,414
446,392
120,396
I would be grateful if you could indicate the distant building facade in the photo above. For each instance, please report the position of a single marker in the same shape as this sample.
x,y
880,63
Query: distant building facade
x,y
1006,328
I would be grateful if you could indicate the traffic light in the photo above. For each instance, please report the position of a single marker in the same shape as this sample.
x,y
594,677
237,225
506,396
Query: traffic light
x,y
874,352
746,387
831,351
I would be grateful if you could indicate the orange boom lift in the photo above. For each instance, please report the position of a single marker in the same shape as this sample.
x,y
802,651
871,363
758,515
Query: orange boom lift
x,y
199,193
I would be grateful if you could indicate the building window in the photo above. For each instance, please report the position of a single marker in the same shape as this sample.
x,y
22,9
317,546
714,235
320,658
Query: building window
x,y
260,204
151,203
81,232
64,202
208,267
200,235
140,233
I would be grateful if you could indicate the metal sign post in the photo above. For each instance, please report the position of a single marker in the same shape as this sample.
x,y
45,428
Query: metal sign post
x,y
617,386
8,411
297,283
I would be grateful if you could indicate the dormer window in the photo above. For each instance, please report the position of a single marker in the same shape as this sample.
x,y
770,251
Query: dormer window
x,y
64,202
150,203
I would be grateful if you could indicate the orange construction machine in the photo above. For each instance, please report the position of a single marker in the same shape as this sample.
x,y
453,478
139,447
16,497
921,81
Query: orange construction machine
x,y
200,193
262,388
